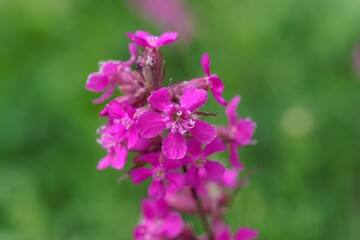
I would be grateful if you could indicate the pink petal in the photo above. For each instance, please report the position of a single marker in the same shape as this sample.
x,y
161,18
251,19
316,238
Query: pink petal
x,y
192,176
133,54
215,170
109,67
205,63
215,146
152,158
203,132
119,159
147,209
217,88
172,226
96,82
160,100
133,137
115,110
245,131
230,178
105,162
194,148
139,175
174,146
157,190
142,34
176,179
234,157
106,95
151,124
245,233
140,232
166,38
193,98
224,234
138,40
231,110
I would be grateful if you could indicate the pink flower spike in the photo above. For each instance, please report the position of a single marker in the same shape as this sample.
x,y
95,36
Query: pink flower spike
x,y
245,233
145,39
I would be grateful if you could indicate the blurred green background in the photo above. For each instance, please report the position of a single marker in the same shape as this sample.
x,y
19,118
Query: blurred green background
x,y
291,61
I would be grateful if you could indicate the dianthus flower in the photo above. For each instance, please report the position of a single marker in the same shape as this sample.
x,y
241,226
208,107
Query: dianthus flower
x,y
145,39
178,118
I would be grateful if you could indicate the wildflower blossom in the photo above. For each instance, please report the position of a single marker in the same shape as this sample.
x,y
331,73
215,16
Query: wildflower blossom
x,y
177,117
163,172
145,39
111,73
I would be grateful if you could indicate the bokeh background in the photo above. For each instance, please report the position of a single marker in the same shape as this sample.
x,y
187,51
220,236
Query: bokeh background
x,y
292,61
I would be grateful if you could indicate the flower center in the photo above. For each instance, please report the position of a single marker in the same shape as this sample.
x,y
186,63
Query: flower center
x,y
181,121
159,174
200,162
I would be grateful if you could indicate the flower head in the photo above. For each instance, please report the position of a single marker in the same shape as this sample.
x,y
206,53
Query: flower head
x,y
145,39
178,118
158,222
111,73
163,172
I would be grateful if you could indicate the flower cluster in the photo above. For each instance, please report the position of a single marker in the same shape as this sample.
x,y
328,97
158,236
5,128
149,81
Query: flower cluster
x,y
172,142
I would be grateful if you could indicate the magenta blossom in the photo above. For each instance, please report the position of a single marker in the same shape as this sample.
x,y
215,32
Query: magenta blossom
x,y
117,151
145,39
178,118
109,76
158,222
239,133
216,85
223,232
199,160
163,171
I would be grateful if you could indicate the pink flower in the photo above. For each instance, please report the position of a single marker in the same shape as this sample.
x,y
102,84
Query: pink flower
x,y
117,152
119,135
199,160
158,222
223,232
145,39
163,172
178,118
240,132
109,76
216,85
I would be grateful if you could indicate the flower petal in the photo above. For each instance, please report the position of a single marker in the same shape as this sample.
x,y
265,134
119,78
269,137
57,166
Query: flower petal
x,y
139,40
160,100
172,226
104,162
231,110
246,233
96,82
194,148
166,38
230,178
151,124
157,190
174,146
234,157
217,88
109,67
120,154
106,95
139,175
193,98
205,63
245,131
133,137
215,146
215,170
203,132
152,158
176,179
